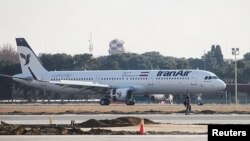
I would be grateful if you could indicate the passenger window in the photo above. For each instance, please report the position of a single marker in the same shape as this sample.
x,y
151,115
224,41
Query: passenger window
x,y
210,77
206,78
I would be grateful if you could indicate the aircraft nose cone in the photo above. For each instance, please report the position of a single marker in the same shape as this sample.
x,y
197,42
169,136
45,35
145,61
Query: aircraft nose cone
x,y
222,85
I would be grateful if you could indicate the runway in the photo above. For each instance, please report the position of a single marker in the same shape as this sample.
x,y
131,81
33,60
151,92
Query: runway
x,y
108,138
163,118
178,119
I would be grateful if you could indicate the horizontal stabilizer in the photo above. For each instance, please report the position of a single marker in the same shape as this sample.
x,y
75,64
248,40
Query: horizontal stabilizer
x,y
23,78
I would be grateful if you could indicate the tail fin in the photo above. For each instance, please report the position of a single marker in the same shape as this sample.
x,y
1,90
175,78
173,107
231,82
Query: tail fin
x,y
28,58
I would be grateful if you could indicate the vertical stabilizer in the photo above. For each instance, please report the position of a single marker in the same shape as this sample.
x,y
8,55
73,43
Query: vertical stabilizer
x,y
28,58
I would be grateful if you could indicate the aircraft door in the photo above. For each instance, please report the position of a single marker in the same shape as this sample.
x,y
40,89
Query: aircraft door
x,y
98,78
150,79
194,79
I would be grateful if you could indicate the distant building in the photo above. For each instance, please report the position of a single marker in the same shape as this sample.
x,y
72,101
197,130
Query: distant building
x,y
116,47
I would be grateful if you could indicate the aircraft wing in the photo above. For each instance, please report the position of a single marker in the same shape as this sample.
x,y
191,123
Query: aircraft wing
x,y
84,86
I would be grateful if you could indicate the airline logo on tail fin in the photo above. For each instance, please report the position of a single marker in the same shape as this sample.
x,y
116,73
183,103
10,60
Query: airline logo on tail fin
x,y
22,42
26,58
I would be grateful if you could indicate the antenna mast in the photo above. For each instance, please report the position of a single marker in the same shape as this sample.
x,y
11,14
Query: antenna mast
x,y
90,44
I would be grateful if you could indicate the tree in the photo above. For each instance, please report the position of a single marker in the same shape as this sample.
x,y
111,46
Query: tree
x,y
214,61
210,61
82,61
159,61
246,70
168,63
9,61
182,63
155,58
218,54
247,56
195,63
57,61
139,62
9,64
213,48
106,63
8,53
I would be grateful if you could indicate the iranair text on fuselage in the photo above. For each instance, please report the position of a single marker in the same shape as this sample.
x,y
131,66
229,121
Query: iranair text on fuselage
x,y
173,73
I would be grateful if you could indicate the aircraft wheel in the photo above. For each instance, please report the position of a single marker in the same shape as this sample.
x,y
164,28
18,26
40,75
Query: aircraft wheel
x,y
131,102
104,101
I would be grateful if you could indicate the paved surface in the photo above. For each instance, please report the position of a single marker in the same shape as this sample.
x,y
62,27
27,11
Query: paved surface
x,y
163,118
107,138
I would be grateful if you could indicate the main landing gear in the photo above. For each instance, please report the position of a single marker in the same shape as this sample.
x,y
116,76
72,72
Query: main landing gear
x,y
130,102
130,98
104,101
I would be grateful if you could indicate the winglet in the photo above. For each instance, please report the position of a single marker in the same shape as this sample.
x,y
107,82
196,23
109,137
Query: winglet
x,y
33,75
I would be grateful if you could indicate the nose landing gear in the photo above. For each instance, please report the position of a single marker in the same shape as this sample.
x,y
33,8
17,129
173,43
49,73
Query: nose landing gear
x,y
130,98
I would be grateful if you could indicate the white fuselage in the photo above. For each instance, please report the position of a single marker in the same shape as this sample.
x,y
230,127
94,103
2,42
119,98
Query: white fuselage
x,y
142,81
117,85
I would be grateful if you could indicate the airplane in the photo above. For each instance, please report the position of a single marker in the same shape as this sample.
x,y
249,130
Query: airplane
x,y
115,85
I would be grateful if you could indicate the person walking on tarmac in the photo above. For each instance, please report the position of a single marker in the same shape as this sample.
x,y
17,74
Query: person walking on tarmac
x,y
187,104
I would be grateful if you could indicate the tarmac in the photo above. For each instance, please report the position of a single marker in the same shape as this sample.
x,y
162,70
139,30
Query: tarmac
x,y
171,122
162,118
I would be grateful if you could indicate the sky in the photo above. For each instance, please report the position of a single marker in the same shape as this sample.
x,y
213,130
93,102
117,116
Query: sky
x,y
179,28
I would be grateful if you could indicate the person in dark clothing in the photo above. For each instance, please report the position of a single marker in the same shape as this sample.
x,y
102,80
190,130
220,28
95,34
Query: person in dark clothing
x,y
187,104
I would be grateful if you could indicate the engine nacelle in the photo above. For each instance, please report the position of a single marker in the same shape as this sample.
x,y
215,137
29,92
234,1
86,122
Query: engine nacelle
x,y
121,94
162,98
157,97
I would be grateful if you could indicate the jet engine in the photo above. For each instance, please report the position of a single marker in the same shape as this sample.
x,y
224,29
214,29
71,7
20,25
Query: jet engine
x,y
122,95
119,95
157,97
161,97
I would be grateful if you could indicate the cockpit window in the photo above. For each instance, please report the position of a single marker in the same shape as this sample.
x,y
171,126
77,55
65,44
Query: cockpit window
x,y
215,77
211,77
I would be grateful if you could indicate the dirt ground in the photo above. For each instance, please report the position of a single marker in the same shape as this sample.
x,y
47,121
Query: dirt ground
x,y
99,128
119,108
118,126
196,129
